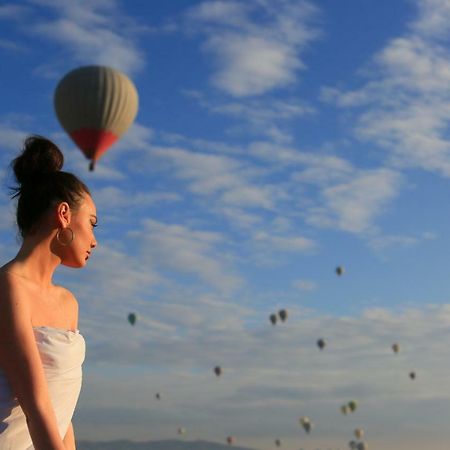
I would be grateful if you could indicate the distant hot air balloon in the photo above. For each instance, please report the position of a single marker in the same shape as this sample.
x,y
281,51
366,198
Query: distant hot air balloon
x,y
158,396
359,433
218,371
362,446
412,375
181,430
395,348
132,318
353,445
340,270
278,442
273,318
321,343
231,440
345,409
282,314
305,422
95,105
352,405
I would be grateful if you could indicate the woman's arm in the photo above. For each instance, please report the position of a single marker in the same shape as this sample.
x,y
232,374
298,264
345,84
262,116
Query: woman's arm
x,y
21,362
69,438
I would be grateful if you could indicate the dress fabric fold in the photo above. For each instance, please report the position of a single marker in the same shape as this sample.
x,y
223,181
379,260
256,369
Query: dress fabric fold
x,y
62,353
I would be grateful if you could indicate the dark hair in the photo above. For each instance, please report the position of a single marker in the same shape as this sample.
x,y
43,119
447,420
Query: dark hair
x,y
41,183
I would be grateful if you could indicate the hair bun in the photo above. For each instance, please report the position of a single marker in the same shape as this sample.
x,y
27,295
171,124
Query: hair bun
x,y
39,157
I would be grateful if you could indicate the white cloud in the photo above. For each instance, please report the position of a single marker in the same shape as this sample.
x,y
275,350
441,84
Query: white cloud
x,y
342,196
252,65
266,117
305,285
406,98
253,57
12,11
285,243
96,32
434,18
120,199
230,179
386,241
12,137
7,44
188,251
352,205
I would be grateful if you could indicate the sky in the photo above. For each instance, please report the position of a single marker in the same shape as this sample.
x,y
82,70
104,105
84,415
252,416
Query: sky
x,y
275,141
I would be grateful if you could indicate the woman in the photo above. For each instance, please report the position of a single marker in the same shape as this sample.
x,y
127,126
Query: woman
x,y
41,349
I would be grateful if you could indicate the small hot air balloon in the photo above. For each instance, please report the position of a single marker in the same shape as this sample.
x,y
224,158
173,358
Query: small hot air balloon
x,y
218,371
359,433
352,405
282,314
395,348
353,445
412,375
278,442
181,430
321,343
340,270
345,409
132,318
95,105
305,422
158,396
231,440
273,318
362,446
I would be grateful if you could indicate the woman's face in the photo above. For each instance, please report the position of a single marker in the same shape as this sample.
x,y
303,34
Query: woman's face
x,y
82,223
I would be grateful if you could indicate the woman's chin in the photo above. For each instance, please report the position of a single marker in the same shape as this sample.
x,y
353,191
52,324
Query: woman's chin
x,y
74,264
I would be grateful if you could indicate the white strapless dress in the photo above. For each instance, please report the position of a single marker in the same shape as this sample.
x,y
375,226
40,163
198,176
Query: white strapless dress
x,y
62,353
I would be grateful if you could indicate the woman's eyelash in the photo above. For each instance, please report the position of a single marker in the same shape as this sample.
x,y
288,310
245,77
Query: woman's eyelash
x,y
94,225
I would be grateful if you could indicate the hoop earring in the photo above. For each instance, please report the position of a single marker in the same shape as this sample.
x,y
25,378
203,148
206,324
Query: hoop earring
x,y
58,236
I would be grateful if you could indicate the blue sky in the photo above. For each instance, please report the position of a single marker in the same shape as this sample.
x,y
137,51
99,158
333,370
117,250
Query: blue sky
x,y
274,141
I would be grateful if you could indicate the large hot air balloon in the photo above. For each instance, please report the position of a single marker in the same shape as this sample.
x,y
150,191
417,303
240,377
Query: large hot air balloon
x,y
95,105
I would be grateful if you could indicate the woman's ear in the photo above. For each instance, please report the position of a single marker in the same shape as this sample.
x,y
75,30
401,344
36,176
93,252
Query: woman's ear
x,y
63,214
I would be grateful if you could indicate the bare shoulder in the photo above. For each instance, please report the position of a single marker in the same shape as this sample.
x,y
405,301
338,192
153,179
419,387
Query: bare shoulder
x,y
70,305
13,303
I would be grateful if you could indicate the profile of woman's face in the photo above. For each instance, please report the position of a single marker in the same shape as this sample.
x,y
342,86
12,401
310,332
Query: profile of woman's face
x,y
82,223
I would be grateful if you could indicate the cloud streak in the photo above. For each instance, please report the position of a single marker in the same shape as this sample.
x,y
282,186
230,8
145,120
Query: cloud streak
x,y
253,57
96,33
403,107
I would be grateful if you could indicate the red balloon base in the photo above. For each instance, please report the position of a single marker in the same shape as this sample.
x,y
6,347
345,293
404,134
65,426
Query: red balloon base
x,y
93,143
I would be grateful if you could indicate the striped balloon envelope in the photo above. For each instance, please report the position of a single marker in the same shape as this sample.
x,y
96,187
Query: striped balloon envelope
x,y
95,105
